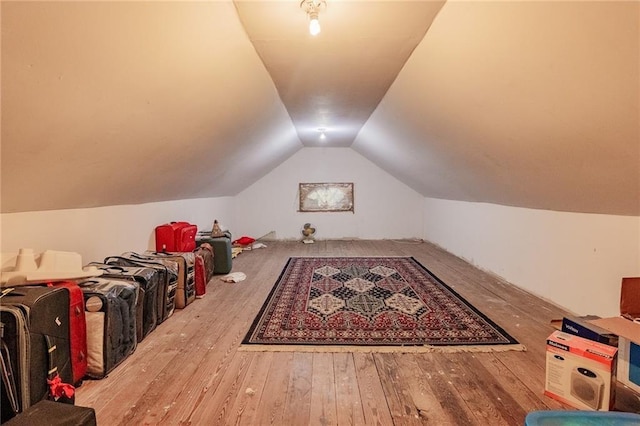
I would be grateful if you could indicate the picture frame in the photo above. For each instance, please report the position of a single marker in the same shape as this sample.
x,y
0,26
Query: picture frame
x,y
326,197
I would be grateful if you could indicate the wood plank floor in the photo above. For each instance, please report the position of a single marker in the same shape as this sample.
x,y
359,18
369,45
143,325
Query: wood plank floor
x,y
189,370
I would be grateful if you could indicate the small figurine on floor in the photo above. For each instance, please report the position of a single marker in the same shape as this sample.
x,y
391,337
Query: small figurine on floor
x,y
307,233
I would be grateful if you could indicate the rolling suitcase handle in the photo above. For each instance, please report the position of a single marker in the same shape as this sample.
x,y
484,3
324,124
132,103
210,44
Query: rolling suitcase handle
x,y
7,373
137,261
58,391
141,260
107,268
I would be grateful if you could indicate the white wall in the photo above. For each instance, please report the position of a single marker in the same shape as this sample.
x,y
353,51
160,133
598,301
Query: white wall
x,y
384,207
98,232
575,260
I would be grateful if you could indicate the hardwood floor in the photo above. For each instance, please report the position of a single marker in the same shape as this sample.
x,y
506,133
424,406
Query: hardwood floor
x,y
189,370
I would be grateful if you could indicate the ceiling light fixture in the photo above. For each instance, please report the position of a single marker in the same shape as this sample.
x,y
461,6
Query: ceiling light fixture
x,y
312,7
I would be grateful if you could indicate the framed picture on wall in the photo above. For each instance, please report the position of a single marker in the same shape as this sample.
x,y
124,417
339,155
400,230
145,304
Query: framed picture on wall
x,y
326,197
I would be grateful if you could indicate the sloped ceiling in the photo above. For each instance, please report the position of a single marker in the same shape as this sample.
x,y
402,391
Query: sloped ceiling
x,y
531,104
107,103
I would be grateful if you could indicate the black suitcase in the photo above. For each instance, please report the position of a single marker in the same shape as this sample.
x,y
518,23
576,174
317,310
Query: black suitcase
x,y
13,361
185,290
168,280
35,344
49,413
149,298
110,310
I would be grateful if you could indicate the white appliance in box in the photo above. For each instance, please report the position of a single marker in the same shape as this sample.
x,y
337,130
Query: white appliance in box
x,y
580,372
587,386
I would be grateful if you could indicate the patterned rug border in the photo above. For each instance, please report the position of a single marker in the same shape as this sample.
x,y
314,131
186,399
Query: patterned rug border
x,y
246,346
260,347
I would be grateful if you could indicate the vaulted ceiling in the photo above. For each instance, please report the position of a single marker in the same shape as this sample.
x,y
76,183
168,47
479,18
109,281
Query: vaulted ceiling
x,y
532,104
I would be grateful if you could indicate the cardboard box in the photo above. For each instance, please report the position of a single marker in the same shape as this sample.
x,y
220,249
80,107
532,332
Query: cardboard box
x,y
627,327
580,372
581,327
628,349
630,298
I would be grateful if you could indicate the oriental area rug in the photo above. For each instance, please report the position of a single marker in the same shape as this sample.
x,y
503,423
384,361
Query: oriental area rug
x,y
372,304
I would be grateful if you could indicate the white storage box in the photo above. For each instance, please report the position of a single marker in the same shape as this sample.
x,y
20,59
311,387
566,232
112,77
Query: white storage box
x,y
580,372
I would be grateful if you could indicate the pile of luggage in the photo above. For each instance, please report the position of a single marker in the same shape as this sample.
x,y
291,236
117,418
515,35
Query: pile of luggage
x,y
62,322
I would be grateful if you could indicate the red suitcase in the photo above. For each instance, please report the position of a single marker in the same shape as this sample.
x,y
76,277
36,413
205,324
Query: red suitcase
x,y
77,329
200,275
204,267
176,237
186,238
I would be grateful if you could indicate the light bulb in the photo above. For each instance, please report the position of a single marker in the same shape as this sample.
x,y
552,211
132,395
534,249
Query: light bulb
x,y
314,26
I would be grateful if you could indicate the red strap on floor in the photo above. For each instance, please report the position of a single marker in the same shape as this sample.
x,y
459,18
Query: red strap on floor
x,y
57,389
